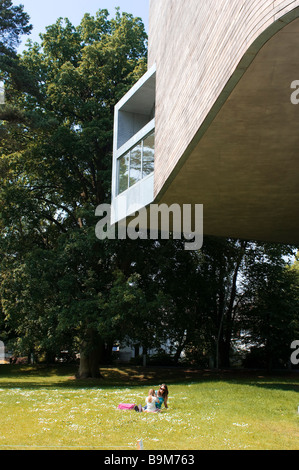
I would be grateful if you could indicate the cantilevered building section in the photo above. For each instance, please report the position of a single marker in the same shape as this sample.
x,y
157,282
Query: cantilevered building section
x,y
134,147
212,122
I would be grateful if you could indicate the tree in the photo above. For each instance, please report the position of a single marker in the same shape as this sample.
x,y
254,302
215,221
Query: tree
x,y
269,314
232,277
221,263
14,23
163,313
56,146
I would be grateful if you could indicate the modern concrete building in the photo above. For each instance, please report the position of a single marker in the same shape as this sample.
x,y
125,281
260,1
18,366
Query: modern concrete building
x,y
215,121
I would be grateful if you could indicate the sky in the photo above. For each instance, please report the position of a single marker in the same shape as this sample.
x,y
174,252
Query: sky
x,y
44,13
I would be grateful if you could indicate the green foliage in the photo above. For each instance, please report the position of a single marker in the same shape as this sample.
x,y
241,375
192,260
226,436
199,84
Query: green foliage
x,y
13,23
269,311
56,146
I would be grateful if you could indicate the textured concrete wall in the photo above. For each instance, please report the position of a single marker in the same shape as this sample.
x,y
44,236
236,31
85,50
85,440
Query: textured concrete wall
x,y
197,46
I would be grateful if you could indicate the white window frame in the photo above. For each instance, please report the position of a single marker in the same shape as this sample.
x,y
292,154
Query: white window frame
x,y
141,193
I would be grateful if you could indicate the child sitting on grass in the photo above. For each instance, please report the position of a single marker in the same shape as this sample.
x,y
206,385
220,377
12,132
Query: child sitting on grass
x,y
151,400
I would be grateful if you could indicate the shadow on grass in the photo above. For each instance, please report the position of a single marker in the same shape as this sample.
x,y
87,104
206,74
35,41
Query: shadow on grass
x,y
42,376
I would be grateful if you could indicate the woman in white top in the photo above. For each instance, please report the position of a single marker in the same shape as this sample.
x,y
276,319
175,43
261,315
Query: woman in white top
x,y
151,401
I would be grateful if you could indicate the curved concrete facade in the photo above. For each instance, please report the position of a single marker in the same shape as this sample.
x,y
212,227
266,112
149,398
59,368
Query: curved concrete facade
x,y
227,134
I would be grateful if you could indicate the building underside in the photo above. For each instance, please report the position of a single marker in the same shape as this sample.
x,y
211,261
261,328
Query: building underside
x,y
241,160
244,165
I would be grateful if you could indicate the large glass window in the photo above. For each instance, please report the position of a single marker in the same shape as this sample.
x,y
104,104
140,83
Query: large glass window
x,y
137,163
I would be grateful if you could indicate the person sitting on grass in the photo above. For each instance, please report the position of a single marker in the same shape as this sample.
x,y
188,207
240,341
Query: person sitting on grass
x,y
162,396
151,401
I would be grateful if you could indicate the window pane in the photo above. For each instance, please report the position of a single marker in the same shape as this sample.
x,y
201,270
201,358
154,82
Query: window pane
x,y
135,164
148,155
123,172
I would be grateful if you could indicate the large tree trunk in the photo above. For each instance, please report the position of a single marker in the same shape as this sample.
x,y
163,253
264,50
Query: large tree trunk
x,y
180,348
90,356
223,354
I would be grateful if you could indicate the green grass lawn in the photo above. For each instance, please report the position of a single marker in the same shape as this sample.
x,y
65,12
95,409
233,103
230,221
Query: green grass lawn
x,y
46,408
